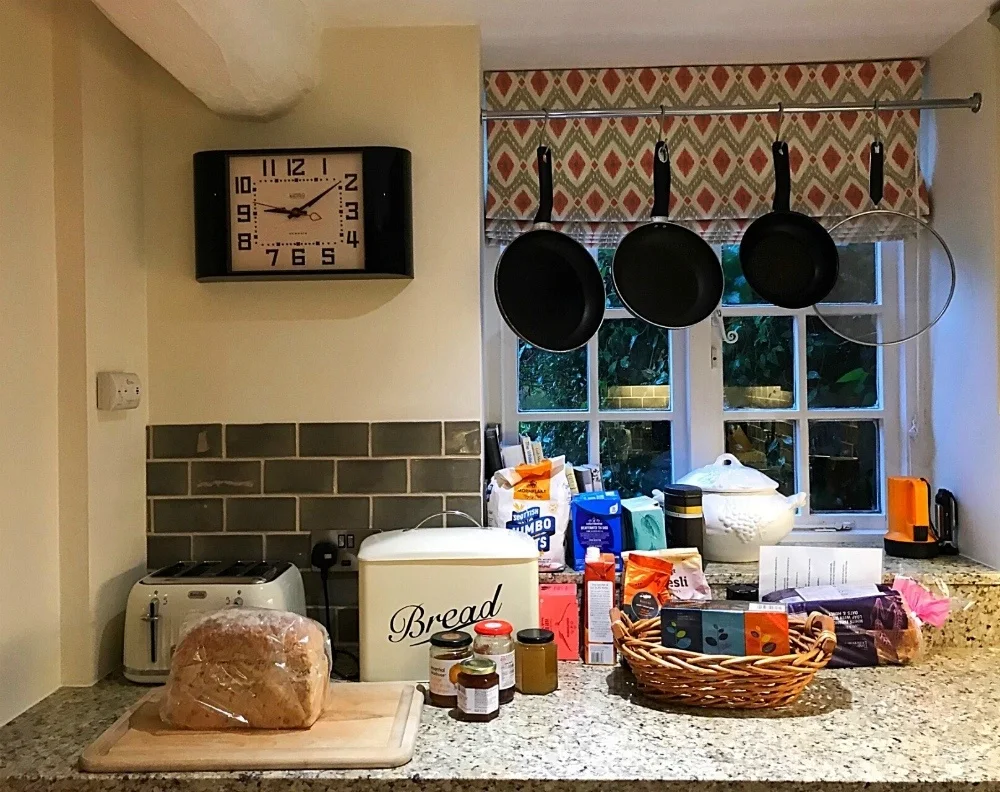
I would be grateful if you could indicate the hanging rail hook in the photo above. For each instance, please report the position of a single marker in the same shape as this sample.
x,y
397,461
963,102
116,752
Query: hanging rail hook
x,y
727,336
663,120
781,119
878,123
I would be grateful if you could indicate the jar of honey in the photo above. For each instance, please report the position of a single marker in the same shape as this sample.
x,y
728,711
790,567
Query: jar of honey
x,y
478,686
448,649
536,666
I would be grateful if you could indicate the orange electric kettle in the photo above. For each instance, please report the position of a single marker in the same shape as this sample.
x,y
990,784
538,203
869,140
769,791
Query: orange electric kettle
x,y
911,534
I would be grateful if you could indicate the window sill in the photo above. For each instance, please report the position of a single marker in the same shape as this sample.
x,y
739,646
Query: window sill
x,y
953,570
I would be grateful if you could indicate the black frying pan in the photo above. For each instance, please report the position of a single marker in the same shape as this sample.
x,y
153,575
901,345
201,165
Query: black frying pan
x,y
663,272
787,257
548,287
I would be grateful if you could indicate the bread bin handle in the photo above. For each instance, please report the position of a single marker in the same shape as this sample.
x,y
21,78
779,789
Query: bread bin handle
x,y
430,517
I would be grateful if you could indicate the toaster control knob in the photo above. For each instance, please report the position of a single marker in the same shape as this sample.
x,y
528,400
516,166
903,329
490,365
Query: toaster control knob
x,y
238,602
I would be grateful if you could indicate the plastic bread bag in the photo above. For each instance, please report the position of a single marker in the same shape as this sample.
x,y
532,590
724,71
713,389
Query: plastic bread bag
x,y
874,624
932,603
534,499
687,581
248,668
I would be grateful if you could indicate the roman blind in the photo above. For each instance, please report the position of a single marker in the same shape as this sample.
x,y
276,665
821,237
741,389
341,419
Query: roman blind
x,y
722,172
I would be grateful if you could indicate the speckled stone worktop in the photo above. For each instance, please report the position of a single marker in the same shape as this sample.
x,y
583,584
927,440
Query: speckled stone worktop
x,y
929,726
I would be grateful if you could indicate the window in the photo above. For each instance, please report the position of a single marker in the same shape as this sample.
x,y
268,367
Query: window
x,y
787,396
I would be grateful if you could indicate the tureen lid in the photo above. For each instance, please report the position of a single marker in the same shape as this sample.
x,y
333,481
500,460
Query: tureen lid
x,y
728,474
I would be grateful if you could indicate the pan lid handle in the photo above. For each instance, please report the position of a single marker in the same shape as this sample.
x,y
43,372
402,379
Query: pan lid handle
x,y
544,213
782,177
661,180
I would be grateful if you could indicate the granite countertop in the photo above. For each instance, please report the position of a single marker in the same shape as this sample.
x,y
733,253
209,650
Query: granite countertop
x,y
933,724
953,570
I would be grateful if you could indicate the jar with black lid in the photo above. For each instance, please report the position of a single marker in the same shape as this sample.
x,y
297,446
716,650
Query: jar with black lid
x,y
478,690
536,662
448,649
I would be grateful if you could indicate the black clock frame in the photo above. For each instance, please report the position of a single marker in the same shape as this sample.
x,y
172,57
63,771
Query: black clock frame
x,y
388,215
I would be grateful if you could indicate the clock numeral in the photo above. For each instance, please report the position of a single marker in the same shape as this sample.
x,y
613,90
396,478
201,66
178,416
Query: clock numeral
x,y
351,182
268,165
273,253
352,238
296,166
243,213
324,166
299,257
328,257
352,210
243,242
244,184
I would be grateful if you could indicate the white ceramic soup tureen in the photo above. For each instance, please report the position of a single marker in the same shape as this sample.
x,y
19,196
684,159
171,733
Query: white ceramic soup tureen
x,y
743,509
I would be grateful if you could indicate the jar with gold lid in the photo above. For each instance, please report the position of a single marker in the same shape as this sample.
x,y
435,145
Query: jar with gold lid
x,y
478,686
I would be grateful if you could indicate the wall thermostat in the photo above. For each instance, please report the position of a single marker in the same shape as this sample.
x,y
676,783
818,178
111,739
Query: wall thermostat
x,y
118,390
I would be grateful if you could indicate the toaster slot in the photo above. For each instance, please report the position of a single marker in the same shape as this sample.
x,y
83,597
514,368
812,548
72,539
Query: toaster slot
x,y
199,570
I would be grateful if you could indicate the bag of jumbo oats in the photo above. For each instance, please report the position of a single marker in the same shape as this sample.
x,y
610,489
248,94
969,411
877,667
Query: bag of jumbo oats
x,y
534,499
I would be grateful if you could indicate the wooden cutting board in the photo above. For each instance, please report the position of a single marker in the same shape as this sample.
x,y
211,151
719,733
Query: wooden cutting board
x,y
362,725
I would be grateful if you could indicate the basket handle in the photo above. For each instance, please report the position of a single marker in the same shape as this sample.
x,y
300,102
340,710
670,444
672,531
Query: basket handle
x,y
824,628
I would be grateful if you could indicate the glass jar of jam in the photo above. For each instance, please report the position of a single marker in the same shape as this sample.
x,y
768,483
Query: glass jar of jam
x,y
537,667
478,686
448,649
494,641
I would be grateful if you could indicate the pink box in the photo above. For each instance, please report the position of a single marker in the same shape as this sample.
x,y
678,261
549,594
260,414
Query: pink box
x,y
559,611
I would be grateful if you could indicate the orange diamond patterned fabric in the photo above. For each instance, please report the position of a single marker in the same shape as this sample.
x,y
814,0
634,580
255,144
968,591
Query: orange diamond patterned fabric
x,y
722,177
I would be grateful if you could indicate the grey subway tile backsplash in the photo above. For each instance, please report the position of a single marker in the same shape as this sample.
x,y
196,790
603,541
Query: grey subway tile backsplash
x,y
293,547
445,475
259,441
187,515
252,515
347,625
365,476
406,439
162,551
463,437
228,547
333,439
298,475
187,441
405,511
255,491
334,514
166,478
343,588
470,504
225,478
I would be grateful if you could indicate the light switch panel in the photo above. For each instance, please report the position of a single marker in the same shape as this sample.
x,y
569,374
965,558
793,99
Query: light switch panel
x,y
118,390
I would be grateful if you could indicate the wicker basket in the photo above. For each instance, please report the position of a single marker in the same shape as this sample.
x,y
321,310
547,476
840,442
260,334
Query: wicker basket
x,y
701,680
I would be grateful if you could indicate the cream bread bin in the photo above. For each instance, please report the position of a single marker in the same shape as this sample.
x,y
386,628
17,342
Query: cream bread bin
x,y
416,582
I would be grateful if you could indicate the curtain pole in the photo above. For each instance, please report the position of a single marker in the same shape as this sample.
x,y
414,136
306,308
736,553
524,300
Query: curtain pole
x,y
973,103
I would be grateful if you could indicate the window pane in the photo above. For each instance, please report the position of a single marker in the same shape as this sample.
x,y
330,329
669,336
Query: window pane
x,y
843,466
559,438
635,456
841,373
551,380
737,291
768,446
856,281
633,365
757,371
604,258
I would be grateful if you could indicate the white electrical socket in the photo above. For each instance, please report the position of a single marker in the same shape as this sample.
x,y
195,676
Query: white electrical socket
x,y
118,390
346,543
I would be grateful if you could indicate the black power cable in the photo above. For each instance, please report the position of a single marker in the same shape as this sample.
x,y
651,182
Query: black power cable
x,y
324,557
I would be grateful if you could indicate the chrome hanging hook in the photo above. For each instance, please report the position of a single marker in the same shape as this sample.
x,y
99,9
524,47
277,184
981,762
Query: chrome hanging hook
x,y
878,123
781,120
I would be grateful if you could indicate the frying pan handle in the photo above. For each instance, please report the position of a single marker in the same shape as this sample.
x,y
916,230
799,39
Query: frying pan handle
x,y
782,177
876,181
661,180
544,213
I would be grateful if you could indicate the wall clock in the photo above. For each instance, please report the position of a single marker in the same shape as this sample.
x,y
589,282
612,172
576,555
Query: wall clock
x,y
275,214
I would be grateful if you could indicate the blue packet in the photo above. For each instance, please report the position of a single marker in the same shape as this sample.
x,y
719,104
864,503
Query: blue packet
x,y
597,522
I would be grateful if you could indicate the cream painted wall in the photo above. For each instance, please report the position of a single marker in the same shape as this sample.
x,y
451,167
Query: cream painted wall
x,y
29,514
327,351
965,184
102,317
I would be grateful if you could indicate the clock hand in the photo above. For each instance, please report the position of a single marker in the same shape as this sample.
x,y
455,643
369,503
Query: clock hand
x,y
307,204
277,209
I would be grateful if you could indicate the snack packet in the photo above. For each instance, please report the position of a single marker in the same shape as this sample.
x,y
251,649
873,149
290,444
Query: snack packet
x,y
688,581
645,585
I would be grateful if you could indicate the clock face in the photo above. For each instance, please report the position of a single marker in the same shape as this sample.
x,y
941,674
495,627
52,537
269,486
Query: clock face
x,y
296,211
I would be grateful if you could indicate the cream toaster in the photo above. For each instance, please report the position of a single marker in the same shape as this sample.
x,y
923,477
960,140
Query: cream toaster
x,y
160,604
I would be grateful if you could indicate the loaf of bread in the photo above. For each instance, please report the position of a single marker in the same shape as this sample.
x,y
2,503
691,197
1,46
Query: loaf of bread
x,y
248,668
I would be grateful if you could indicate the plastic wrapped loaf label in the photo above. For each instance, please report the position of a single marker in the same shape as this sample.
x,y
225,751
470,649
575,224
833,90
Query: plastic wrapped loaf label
x,y
246,668
534,499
